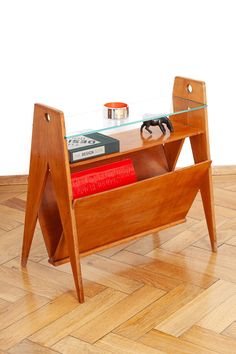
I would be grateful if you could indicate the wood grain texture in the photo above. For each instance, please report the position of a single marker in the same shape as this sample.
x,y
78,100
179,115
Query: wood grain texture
x,y
36,320
13,179
170,344
230,331
221,317
78,317
138,274
117,314
112,210
119,345
190,313
49,155
71,345
210,340
27,346
163,266
31,324
153,314
16,311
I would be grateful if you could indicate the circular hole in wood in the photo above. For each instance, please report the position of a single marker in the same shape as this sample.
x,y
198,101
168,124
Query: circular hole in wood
x,y
47,117
189,88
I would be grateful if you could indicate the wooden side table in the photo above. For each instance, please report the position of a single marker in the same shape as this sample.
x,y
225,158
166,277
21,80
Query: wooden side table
x,y
161,198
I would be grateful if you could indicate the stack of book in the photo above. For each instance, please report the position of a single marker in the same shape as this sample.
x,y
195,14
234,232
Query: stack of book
x,y
102,178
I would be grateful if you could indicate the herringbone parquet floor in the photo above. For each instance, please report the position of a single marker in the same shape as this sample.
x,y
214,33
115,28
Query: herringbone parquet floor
x,y
165,293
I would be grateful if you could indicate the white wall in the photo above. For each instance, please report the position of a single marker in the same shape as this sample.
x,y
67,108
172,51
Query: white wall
x,y
78,54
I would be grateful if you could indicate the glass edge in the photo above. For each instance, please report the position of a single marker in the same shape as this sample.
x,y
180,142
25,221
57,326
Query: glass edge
x,y
135,122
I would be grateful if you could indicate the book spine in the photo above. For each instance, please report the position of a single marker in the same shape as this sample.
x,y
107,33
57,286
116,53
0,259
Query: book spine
x,y
90,152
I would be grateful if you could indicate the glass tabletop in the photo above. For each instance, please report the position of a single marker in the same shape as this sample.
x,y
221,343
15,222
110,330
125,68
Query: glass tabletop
x,y
95,121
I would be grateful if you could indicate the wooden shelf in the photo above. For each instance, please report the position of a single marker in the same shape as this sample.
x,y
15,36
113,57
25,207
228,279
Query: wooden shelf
x,y
132,140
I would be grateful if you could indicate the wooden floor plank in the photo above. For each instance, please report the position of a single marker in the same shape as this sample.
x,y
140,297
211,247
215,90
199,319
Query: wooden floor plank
x,y
6,195
7,223
118,314
156,312
10,292
127,271
202,261
231,241
169,233
22,196
27,347
21,308
145,244
225,232
105,278
176,271
30,283
210,340
227,250
225,198
232,187
230,331
120,345
12,214
182,241
219,259
197,211
14,189
75,319
223,179
15,203
189,314
172,345
108,279
71,345
10,244
53,277
36,320
170,281
3,304
221,317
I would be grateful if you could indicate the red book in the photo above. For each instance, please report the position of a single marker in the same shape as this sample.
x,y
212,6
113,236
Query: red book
x,y
102,178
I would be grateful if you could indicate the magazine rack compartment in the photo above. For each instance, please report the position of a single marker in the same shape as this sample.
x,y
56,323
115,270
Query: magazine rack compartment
x,y
134,210
137,208
161,197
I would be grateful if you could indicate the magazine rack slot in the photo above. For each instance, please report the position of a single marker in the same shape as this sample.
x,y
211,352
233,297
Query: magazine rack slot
x,y
135,209
161,197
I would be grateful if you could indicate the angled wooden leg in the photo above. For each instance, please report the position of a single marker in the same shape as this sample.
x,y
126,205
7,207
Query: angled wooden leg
x,y
195,91
49,155
206,189
36,184
57,156
38,173
208,204
172,151
70,234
